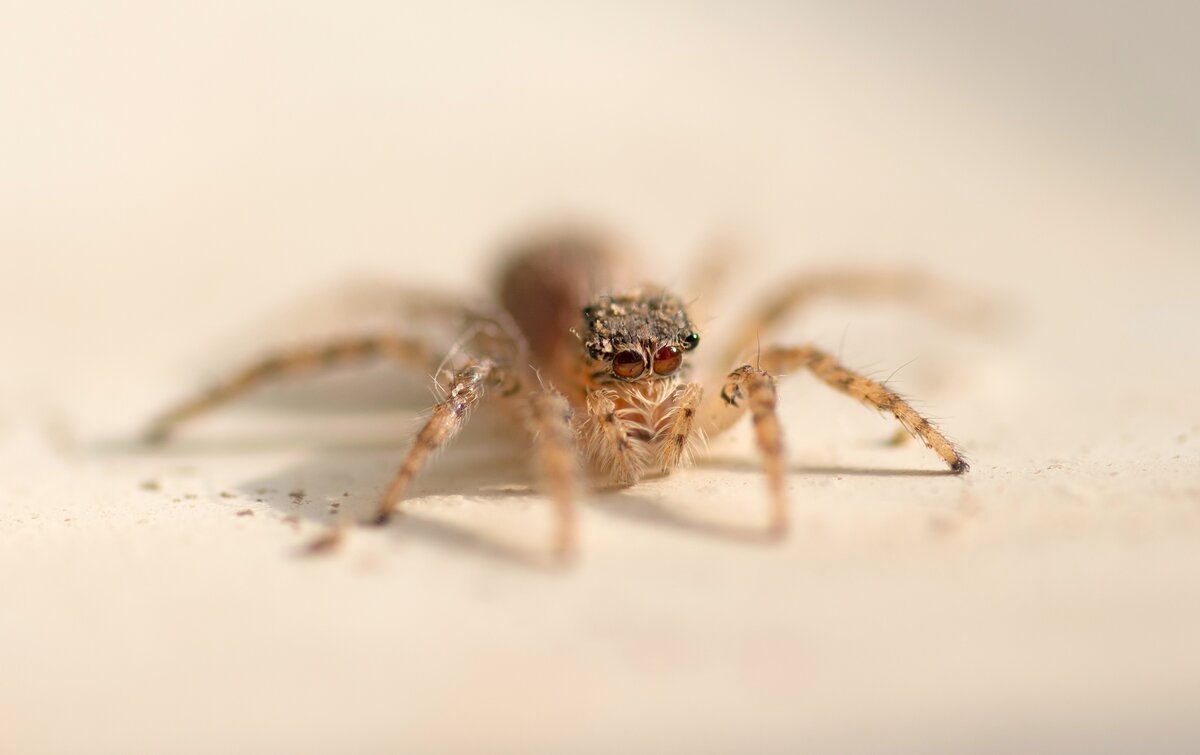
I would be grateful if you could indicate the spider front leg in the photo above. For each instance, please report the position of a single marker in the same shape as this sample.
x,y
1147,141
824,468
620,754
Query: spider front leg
x,y
466,389
299,361
754,389
555,461
676,439
611,441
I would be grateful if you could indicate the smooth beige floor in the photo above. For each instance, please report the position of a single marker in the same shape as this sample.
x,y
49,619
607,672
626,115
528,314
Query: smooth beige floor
x,y
177,176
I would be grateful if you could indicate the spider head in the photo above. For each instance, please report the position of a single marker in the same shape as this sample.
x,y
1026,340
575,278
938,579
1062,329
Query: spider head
x,y
639,336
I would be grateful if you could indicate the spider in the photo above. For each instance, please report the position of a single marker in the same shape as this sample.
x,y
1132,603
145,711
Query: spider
x,y
598,372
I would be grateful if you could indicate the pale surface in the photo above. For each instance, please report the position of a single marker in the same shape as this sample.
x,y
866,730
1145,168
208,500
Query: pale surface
x,y
176,176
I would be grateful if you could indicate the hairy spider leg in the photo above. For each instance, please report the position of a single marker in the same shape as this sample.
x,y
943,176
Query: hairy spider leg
x,y
943,301
870,392
611,440
784,360
753,389
678,438
302,360
467,388
555,461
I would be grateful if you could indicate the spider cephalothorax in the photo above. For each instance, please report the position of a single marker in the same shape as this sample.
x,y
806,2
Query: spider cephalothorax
x,y
638,336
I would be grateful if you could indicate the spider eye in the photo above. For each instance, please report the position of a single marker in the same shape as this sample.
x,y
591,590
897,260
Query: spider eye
x,y
667,360
628,364
691,341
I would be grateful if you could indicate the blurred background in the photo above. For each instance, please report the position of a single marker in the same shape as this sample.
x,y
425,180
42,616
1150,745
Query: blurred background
x,y
174,176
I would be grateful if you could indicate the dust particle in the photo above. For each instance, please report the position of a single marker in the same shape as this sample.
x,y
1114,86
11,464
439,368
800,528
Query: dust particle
x,y
189,496
227,494
942,526
326,542
245,512
152,485
297,496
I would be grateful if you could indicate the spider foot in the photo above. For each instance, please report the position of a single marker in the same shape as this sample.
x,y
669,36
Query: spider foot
x,y
381,519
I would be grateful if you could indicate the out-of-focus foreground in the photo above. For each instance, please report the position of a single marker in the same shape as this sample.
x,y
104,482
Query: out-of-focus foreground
x,y
175,174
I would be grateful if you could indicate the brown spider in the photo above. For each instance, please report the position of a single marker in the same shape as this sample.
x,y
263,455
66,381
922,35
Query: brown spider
x,y
598,370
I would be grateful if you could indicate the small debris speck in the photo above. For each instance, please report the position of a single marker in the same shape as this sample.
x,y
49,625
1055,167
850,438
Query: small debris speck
x,y
297,496
190,496
245,512
152,485
326,542
227,494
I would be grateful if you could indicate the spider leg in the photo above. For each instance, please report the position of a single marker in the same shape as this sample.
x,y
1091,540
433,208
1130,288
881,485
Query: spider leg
x,y
466,389
754,389
939,299
871,392
292,363
555,461
783,360
676,439
611,441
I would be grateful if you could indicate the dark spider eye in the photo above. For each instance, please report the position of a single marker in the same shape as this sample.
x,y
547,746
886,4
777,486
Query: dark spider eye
x,y
589,312
691,341
667,360
628,364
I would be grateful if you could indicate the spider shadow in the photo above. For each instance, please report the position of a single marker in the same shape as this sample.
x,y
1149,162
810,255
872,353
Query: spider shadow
x,y
645,508
341,487
733,464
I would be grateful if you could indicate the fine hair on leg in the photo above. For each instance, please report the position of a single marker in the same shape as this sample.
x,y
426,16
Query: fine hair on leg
x,y
782,360
467,387
555,462
292,363
943,301
677,439
753,389
609,439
